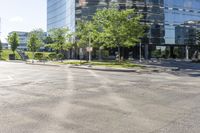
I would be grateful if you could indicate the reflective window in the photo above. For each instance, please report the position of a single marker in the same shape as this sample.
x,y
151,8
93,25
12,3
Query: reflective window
x,y
61,13
181,21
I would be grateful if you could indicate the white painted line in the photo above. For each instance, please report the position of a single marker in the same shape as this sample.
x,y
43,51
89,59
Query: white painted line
x,y
7,78
10,77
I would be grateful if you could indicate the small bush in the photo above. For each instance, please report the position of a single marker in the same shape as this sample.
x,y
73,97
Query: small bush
x,y
45,58
60,56
157,53
39,56
52,56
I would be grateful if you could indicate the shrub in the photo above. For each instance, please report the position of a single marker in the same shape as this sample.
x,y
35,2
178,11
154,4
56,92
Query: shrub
x,y
157,53
60,56
45,58
39,56
52,56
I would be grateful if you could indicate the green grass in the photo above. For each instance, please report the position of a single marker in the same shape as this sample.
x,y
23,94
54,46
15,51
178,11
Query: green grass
x,y
112,64
5,55
30,54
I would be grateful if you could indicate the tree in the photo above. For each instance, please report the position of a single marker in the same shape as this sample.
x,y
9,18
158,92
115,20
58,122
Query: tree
x,y
48,40
35,40
13,40
86,35
1,48
40,34
34,43
61,39
118,28
85,32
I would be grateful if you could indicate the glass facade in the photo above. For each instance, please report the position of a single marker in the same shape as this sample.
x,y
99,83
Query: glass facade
x,y
86,8
153,14
181,21
185,34
61,13
171,22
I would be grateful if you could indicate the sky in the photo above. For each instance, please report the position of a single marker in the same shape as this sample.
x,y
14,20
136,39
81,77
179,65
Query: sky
x,y
22,15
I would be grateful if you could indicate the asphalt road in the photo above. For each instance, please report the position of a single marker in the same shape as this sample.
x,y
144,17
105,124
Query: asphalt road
x,y
46,99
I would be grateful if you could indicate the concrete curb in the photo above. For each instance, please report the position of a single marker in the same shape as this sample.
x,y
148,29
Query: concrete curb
x,y
154,66
149,69
39,64
163,68
105,69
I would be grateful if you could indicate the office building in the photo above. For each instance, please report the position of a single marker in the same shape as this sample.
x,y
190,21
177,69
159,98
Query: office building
x,y
23,37
185,33
162,16
61,13
5,46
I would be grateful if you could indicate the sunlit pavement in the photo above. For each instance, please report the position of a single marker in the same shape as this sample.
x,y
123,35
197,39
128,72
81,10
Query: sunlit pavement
x,y
50,99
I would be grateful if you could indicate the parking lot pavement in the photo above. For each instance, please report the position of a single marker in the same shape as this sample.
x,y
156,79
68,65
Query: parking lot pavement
x,y
47,99
184,67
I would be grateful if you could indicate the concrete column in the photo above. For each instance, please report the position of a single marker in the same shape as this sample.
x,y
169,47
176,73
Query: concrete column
x,y
186,53
146,51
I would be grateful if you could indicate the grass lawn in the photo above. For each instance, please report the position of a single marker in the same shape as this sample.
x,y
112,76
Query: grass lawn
x,y
5,55
112,64
30,54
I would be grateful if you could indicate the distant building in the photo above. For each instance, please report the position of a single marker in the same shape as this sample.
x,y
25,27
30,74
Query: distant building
x,y
185,33
5,46
23,37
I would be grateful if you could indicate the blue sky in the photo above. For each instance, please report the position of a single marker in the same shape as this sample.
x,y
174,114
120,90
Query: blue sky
x,y
22,15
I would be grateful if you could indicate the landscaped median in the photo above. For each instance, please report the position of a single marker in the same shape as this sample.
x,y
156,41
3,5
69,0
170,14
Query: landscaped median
x,y
112,64
124,66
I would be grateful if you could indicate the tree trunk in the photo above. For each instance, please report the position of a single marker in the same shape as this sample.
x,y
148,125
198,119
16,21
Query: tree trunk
x,y
14,55
100,54
119,53
33,57
122,57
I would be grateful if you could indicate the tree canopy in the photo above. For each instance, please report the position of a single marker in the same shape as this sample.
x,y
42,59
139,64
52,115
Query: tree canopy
x,y
87,31
34,42
111,28
13,40
39,33
119,28
61,39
